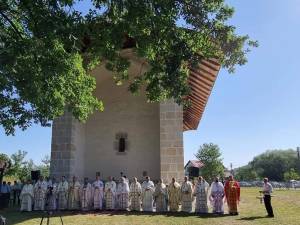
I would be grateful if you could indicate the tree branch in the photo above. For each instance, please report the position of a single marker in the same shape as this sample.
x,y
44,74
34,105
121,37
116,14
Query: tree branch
x,y
12,24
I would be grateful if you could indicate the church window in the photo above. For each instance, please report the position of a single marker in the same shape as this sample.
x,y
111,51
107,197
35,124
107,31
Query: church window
x,y
121,143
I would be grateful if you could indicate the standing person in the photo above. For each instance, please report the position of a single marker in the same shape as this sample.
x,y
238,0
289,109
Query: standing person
x,y
86,195
110,194
40,191
19,187
73,194
216,196
160,196
49,182
55,191
26,197
147,195
11,196
14,190
126,179
51,196
123,194
98,193
186,195
201,193
6,193
174,195
267,190
62,193
135,195
232,193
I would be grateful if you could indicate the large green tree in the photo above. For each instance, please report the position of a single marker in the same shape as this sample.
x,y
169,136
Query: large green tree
x,y
210,156
278,165
274,163
246,173
47,49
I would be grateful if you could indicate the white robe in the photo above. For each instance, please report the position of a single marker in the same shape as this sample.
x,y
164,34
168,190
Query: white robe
x,y
26,197
160,195
135,196
51,199
123,195
86,197
147,196
62,194
216,197
73,196
186,196
110,194
98,194
40,191
201,193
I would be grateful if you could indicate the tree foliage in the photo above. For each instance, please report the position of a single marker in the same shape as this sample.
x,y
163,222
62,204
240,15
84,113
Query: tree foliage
x,y
277,165
45,166
210,156
5,166
18,161
246,173
21,168
291,175
47,49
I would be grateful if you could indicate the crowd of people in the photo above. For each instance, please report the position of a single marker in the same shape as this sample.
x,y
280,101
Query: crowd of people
x,y
10,193
135,196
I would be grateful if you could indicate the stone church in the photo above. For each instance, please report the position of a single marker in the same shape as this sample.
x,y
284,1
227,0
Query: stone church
x,y
131,136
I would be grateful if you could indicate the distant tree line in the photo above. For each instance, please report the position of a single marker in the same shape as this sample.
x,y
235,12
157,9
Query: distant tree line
x,y
277,165
20,168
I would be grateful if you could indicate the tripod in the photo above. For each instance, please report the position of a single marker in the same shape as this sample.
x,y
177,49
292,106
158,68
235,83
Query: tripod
x,y
47,215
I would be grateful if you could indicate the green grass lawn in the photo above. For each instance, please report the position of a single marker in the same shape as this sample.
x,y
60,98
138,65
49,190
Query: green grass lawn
x,y
286,205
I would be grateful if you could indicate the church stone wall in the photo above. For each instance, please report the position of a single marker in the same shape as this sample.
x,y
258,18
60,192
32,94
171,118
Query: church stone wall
x,y
67,147
124,114
171,141
153,131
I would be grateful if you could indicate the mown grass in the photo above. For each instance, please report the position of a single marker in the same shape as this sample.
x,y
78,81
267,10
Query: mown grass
x,y
286,204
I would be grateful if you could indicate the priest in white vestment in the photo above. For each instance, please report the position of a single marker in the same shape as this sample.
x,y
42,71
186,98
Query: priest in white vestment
x,y
123,194
98,194
52,196
201,193
110,194
216,196
86,195
74,197
40,191
147,195
62,193
26,197
161,196
186,195
135,195
174,195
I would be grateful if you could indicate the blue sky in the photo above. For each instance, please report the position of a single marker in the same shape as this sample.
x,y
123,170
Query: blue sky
x,y
248,112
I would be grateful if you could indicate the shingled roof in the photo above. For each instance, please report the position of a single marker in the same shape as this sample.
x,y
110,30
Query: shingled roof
x,y
201,82
194,163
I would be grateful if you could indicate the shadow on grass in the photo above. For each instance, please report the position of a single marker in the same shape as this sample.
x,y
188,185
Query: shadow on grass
x,y
253,218
166,214
14,216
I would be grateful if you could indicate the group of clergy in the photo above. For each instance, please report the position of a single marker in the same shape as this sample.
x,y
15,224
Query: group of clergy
x,y
49,195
